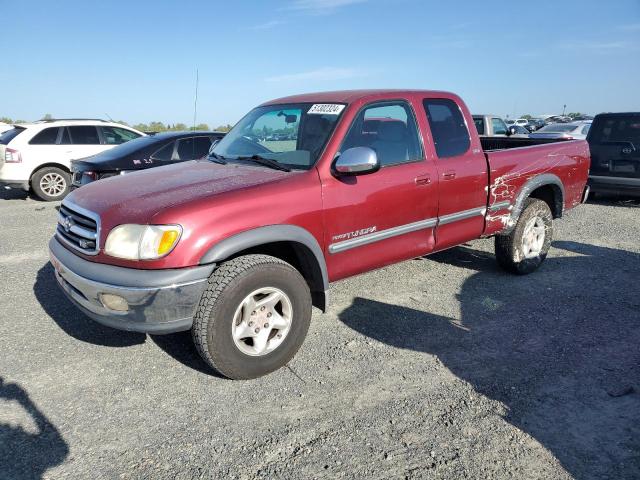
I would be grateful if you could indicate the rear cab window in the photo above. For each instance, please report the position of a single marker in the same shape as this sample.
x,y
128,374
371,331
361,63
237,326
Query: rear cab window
x,y
448,128
479,122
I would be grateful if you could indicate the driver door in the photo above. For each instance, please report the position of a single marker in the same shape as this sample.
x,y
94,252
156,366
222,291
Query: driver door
x,y
380,218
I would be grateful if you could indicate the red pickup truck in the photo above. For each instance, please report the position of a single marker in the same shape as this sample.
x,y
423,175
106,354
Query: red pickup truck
x,y
304,191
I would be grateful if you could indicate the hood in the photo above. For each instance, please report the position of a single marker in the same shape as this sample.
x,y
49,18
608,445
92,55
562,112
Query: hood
x,y
136,197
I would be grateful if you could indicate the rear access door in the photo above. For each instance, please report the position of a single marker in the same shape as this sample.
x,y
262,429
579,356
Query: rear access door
x,y
614,141
462,172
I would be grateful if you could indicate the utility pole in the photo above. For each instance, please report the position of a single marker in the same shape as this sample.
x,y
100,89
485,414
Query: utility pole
x,y
564,107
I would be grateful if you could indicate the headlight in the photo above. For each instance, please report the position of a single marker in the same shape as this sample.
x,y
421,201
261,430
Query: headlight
x,y
142,242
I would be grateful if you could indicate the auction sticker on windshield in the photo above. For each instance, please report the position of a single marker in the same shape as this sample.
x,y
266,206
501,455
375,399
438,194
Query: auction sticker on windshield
x,y
326,109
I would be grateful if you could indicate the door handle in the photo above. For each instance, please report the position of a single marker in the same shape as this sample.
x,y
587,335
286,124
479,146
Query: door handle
x,y
449,175
423,180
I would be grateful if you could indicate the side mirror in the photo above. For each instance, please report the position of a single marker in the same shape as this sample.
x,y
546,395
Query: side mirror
x,y
511,130
357,161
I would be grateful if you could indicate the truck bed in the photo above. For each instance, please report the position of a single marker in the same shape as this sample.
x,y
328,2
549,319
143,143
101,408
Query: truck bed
x,y
490,144
565,162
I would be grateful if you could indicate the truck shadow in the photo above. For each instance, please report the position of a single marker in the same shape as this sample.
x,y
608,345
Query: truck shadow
x,y
73,321
25,454
558,348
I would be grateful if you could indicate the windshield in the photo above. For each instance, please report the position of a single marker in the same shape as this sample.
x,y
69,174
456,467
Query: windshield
x,y
293,135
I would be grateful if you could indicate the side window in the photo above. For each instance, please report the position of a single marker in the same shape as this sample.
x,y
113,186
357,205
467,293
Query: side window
x,y
116,136
499,127
193,148
389,129
479,125
84,135
48,136
165,154
585,129
450,134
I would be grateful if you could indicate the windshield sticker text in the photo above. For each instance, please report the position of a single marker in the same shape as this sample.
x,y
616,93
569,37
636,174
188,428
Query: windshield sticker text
x,y
326,109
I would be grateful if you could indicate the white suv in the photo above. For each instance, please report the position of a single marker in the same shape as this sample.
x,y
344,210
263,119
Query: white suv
x,y
37,155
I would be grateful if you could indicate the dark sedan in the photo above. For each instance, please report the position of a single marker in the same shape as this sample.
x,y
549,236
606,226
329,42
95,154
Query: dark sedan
x,y
142,153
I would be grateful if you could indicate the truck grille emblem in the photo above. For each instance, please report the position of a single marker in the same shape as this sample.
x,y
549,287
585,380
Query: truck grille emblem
x,y
68,223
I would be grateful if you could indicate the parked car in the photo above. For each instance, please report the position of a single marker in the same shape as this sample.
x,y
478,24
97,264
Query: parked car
x,y
521,121
568,131
37,156
534,124
238,248
142,153
556,119
490,126
517,131
614,140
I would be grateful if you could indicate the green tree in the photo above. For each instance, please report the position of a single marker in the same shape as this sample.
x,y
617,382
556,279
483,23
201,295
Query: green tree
x,y
526,117
224,128
47,116
157,127
201,126
5,120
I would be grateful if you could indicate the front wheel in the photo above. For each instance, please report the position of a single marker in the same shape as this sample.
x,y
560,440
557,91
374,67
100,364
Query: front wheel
x,y
50,184
253,316
524,249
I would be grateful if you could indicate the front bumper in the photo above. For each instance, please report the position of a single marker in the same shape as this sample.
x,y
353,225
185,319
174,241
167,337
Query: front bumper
x,y
160,301
614,185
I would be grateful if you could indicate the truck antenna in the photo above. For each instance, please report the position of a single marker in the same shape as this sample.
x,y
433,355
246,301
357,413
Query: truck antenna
x,y
195,102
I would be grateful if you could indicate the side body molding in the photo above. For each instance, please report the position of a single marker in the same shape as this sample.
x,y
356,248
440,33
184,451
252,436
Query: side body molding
x,y
531,185
272,234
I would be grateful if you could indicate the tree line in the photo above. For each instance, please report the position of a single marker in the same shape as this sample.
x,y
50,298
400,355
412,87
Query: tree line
x,y
143,127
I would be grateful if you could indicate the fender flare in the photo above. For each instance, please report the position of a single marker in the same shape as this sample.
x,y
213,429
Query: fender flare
x,y
531,185
265,235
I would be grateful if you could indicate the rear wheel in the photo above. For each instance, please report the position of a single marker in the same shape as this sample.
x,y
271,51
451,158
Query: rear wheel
x,y
50,184
253,316
524,249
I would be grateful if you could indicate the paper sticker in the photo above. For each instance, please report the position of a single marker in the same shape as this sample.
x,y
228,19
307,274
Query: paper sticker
x,y
326,109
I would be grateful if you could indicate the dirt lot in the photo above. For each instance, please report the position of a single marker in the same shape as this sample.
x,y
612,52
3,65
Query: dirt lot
x,y
443,367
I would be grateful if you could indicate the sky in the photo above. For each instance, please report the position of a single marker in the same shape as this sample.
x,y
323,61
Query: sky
x,y
137,60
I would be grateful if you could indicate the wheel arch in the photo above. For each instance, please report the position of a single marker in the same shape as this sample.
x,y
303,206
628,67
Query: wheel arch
x,y
546,187
290,243
48,164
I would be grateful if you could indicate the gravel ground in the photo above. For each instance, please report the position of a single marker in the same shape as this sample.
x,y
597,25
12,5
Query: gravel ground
x,y
443,367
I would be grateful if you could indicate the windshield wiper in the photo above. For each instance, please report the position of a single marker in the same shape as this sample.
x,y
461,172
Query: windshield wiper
x,y
214,157
267,162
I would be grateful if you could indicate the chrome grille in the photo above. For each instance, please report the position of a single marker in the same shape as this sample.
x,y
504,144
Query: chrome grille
x,y
78,228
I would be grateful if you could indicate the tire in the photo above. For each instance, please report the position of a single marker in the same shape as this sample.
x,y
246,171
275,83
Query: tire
x,y
512,251
222,312
50,184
